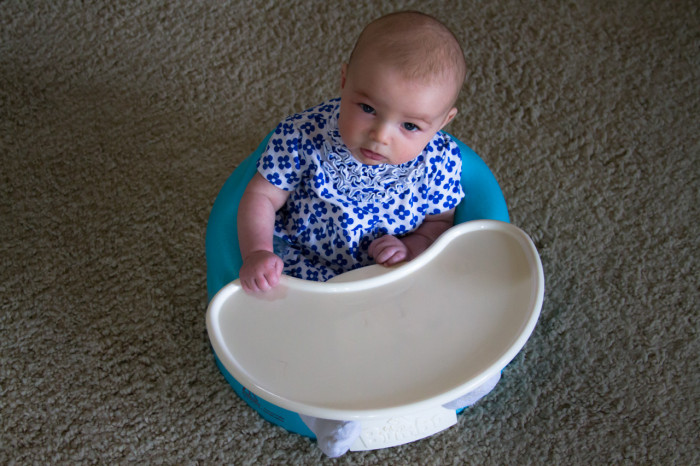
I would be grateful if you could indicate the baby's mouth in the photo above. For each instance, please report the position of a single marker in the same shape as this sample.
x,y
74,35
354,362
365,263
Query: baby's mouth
x,y
371,155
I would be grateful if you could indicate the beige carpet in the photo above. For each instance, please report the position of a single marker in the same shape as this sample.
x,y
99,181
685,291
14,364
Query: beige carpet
x,y
120,121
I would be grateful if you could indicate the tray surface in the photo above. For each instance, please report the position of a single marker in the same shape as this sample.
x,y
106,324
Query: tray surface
x,y
406,338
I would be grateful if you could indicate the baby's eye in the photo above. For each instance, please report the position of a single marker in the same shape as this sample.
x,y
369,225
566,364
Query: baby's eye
x,y
410,127
366,108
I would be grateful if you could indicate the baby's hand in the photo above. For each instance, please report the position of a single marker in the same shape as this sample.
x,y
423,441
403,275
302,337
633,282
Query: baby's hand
x,y
388,250
261,271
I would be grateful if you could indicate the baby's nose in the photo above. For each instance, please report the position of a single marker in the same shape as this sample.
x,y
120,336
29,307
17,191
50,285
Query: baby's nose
x,y
380,133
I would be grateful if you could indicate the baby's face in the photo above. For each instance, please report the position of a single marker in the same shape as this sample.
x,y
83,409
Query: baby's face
x,y
386,118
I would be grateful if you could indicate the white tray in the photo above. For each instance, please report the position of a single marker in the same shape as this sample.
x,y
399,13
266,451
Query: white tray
x,y
406,340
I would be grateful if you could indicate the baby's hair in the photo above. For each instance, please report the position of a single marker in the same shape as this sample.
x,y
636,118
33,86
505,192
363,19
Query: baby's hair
x,y
419,45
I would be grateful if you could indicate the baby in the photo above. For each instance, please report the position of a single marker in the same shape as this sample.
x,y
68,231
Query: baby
x,y
362,179
366,178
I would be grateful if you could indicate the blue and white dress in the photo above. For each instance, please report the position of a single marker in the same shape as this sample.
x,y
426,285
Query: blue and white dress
x,y
337,206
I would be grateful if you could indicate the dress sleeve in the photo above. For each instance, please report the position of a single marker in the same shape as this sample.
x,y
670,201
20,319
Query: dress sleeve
x,y
445,172
283,163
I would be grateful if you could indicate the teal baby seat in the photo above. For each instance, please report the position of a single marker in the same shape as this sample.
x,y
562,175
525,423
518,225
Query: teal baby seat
x,y
483,200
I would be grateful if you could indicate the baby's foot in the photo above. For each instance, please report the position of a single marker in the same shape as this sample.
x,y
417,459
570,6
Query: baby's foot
x,y
475,395
334,437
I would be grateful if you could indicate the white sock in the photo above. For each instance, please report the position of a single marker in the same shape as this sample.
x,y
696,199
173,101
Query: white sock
x,y
475,395
334,437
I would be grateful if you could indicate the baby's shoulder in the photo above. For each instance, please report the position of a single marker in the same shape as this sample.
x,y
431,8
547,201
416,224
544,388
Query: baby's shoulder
x,y
443,157
312,120
442,146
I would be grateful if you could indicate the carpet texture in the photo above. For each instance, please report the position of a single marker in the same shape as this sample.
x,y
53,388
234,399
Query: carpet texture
x,y
120,121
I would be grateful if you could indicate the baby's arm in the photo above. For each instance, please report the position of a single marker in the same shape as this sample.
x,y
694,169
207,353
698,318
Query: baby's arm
x,y
261,268
389,250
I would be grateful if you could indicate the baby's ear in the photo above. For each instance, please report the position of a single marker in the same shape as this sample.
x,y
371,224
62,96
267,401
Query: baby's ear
x,y
450,115
343,74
